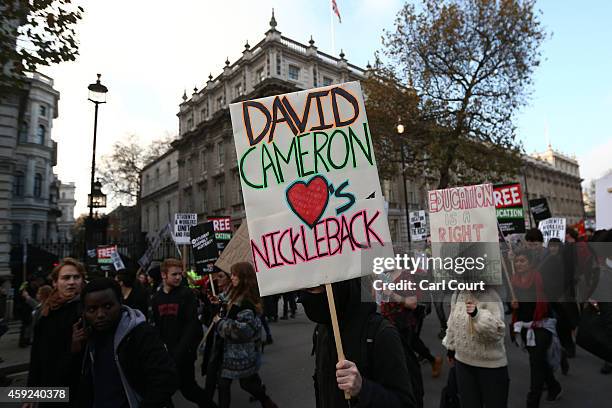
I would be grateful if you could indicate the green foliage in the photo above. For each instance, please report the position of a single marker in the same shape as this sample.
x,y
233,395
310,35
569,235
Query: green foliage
x,y
469,66
35,33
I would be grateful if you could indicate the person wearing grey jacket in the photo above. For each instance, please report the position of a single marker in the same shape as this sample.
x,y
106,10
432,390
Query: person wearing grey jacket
x,y
125,364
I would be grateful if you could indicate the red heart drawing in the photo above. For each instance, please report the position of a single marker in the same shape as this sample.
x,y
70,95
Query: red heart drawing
x,y
308,200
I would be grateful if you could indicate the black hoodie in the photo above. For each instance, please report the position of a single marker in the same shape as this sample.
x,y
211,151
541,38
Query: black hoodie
x,y
176,318
387,383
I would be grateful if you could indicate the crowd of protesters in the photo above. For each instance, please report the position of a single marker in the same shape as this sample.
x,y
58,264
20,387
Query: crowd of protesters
x,y
133,341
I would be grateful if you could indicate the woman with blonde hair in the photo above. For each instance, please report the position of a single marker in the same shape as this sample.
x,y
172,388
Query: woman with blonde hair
x,y
240,328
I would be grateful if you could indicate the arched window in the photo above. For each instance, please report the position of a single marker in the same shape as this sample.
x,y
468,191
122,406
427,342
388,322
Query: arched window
x,y
38,185
18,184
41,132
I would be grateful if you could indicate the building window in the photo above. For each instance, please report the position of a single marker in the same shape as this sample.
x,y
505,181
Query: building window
x,y
221,197
157,175
220,102
157,215
238,90
203,161
168,169
148,221
204,199
294,72
41,131
16,233
189,123
238,188
42,111
18,184
327,81
220,153
63,196
259,75
278,64
148,182
38,185
314,76
35,233
188,168
23,132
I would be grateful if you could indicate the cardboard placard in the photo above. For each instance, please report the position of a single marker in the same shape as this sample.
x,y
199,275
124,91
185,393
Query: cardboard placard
x,y
311,191
223,230
147,257
539,209
182,224
464,224
105,253
204,247
553,228
419,229
509,207
237,250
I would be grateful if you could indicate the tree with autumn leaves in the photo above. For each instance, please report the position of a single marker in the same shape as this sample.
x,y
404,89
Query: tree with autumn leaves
x,y
454,73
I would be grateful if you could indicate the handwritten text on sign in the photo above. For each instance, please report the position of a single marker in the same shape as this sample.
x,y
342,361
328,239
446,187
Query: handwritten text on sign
x,y
310,185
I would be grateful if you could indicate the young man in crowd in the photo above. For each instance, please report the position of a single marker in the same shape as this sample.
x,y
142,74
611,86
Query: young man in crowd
x,y
175,315
52,362
125,363
134,294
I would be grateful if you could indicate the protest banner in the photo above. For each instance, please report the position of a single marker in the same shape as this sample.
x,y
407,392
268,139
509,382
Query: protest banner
x,y
117,261
539,209
312,195
104,255
223,231
204,247
464,225
182,223
553,228
418,225
237,250
147,257
509,207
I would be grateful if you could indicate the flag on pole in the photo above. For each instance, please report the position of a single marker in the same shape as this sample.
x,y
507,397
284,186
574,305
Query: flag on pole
x,y
336,11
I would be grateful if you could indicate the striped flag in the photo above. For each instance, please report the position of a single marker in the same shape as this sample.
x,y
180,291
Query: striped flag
x,y
336,11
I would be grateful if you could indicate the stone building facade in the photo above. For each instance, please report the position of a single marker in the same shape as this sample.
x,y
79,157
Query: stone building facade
x,y
159,192
29,189
556,177
208,182
66,203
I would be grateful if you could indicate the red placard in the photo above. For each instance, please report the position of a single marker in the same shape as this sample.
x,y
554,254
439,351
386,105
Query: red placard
x,y
508,195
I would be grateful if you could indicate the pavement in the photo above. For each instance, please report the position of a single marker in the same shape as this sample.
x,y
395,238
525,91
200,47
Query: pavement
x,y
287,371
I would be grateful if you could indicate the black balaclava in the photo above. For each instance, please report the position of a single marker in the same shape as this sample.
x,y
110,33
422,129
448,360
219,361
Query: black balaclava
x,y
346,296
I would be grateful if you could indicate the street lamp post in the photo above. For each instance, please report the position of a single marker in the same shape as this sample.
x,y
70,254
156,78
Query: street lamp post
x,y
96,199
400,130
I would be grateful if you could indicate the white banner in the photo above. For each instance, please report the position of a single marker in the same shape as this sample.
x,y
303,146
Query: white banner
x,y
311,191
418,226
462,215
553,228
182,224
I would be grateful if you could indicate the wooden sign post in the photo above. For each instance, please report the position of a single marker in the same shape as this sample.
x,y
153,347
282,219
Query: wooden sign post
x,y
336,327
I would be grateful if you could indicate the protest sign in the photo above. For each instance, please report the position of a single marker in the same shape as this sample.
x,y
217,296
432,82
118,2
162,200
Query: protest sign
x,y
147,257
182,223
553,228
509,207
223,230
464,225
539,209
418,226
312,195
117,261
237,250
104,253
204,247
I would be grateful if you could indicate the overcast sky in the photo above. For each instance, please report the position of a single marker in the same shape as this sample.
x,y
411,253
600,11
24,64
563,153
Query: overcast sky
x,y
149,52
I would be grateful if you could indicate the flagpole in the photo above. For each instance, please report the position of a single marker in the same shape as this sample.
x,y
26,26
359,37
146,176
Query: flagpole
x,y
333,37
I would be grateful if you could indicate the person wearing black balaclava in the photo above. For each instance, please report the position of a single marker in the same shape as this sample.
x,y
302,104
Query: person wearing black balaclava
x,y
378,380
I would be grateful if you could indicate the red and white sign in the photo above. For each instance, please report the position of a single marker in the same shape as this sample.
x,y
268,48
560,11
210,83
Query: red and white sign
x,y
221,224
105,253
508,195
